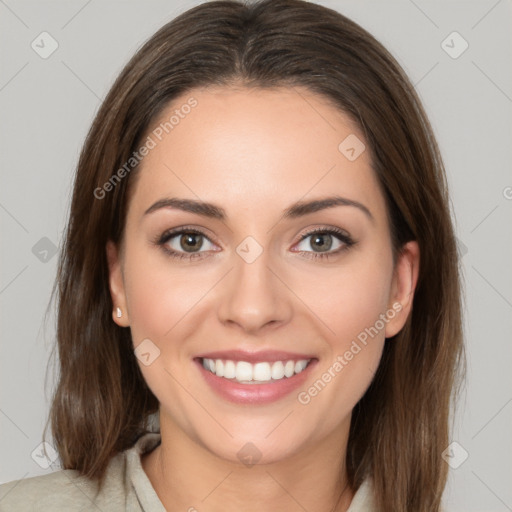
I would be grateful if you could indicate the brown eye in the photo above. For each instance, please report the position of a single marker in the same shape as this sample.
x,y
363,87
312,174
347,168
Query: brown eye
x,y
190,242
329,241
185,243
322,242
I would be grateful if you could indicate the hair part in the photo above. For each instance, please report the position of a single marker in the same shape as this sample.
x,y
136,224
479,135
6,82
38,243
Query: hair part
x,y
400,427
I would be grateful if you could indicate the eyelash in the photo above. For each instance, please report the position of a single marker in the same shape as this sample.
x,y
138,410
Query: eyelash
x,y
161,240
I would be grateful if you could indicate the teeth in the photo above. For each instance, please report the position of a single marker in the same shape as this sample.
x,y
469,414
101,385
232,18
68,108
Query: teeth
x,y
300,365
246,373
277,370
243,371
219,368
229,370
289,368
262,372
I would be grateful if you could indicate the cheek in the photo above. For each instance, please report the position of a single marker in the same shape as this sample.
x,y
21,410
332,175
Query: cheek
x,y
164,301
353,308
161,301
159,294
350,299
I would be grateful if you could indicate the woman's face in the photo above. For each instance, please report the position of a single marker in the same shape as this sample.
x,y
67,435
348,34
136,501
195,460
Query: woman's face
x,y
256,285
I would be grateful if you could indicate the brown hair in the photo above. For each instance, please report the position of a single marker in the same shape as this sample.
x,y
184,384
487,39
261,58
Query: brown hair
x,y
401,425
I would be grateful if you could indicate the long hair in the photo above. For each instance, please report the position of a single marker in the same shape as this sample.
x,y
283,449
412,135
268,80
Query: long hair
x,y
401,425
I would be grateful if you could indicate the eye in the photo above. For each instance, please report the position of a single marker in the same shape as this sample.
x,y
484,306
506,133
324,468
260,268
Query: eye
x,y
184,243
325,242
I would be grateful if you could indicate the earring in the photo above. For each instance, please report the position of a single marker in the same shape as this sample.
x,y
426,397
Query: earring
x,y
119,313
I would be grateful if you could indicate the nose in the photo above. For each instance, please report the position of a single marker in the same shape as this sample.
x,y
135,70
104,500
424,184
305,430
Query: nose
x,y
254,296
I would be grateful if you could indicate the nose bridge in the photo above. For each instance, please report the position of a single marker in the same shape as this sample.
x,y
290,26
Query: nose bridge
x,y
254,296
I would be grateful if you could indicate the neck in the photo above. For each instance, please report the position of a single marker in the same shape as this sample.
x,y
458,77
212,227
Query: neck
x,y
187,476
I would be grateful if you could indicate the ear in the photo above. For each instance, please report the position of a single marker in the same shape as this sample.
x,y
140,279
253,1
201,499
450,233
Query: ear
x,y
116,284
405,277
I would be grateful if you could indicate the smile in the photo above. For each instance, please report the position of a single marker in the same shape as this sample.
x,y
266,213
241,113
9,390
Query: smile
x,y
254,378
247,373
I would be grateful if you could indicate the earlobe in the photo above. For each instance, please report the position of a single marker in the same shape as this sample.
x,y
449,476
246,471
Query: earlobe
x,y
403,287
116,285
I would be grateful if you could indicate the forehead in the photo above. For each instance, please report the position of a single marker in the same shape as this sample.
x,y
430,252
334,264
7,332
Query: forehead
x,y
247,147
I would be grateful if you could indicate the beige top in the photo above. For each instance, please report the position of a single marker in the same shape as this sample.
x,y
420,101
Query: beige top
x,y
126,487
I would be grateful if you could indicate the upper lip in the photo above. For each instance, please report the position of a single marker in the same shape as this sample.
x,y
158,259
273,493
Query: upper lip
x,y
255,357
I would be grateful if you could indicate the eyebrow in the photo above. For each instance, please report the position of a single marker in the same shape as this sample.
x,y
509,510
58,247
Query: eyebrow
x,y
298,209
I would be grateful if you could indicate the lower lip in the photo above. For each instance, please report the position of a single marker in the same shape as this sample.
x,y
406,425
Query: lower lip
x,y
256,394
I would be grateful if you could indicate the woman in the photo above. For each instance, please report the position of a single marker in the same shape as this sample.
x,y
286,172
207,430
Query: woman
x,y
259,254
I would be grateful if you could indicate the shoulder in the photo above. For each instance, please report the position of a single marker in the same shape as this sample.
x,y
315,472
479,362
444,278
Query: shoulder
x,y
59,491
68,490
363,500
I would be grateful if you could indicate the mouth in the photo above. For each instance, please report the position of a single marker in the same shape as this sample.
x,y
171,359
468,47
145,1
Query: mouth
x,y
244,372
254,378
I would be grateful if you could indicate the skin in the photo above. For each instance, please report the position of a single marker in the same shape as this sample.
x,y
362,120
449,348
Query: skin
x,y
255,152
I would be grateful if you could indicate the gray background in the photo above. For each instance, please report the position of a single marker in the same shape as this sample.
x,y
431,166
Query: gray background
x,y
47,106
